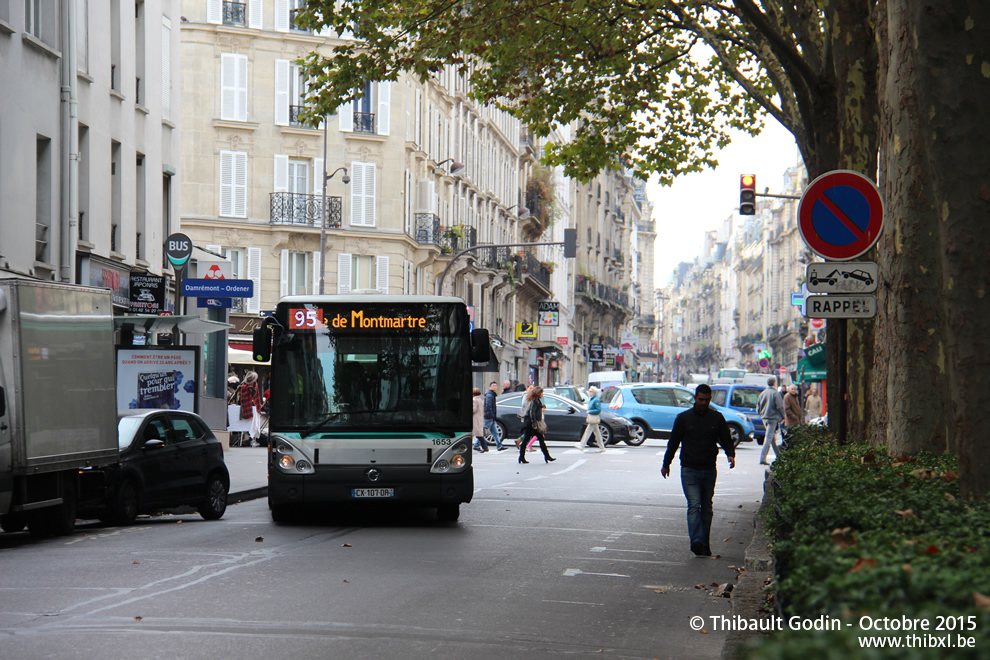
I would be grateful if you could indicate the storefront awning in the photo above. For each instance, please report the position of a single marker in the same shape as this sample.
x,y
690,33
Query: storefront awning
x,y
809,373
235,356
151,324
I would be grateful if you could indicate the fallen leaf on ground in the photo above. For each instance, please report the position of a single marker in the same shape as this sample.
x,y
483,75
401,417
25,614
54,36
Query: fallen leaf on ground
x,y
345,545
259,539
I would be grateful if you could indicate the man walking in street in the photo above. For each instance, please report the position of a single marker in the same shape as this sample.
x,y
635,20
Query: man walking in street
x,y
770,408
699,431
490,410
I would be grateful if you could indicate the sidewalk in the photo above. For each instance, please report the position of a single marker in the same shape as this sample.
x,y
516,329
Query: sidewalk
x,y
248,468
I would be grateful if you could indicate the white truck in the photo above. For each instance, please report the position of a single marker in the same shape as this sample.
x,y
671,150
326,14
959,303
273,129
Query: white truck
x,y
57,399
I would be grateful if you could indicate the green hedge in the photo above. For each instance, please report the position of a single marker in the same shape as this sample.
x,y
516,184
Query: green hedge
x,y
857,533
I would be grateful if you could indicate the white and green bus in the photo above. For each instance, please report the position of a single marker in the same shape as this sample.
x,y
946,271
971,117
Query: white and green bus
x,y
370,401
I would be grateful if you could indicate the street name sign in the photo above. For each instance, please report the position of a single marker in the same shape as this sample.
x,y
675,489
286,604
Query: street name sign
x,y
840,215
841,307
218,288
842,277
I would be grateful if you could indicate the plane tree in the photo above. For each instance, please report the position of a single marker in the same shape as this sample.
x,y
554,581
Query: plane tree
x,y
658,85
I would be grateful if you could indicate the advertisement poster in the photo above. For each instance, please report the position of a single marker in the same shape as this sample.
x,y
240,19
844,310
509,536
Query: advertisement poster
x,y
158,377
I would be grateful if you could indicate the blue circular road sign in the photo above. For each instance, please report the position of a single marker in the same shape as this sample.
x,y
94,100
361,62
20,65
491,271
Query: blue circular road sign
x,y
840,215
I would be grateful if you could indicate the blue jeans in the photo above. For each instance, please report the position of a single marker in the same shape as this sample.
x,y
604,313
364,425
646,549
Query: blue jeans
x,y
490,427
699,489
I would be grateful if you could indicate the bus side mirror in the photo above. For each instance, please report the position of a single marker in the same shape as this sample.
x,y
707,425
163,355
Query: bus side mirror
x,y
261,343
480,346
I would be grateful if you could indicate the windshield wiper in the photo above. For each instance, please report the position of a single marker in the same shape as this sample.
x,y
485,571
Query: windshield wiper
x,y
333,415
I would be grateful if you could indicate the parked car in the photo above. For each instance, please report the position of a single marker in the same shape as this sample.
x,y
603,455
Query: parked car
x,y
168,459
652,408
742,399
564,418
572,392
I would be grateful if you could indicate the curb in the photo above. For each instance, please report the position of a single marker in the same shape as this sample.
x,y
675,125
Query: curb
x,y
247,495
748,598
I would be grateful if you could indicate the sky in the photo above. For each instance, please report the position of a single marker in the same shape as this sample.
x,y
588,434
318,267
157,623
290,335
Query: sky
x,y
700,202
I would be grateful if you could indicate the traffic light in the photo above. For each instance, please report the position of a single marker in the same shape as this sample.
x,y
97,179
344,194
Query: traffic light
x,y
747,194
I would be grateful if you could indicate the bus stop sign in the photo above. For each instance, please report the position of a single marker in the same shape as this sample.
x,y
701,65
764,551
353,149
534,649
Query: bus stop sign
x,y
840,215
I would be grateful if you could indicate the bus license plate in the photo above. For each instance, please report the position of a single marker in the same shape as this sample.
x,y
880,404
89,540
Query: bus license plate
x,y
372,492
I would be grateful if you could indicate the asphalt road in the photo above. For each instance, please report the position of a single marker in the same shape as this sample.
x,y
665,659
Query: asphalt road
x,y
584,557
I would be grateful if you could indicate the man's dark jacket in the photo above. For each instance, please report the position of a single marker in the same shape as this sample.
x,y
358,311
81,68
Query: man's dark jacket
x,y
700,434
490,408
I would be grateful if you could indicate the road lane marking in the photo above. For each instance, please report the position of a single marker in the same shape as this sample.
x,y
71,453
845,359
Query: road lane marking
x,y
571,572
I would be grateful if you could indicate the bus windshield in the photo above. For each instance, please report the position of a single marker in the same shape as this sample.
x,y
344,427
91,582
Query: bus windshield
x,y
371,366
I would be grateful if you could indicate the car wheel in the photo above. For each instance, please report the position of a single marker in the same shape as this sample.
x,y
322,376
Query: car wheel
x,y
215,504
607,435
124,507
12,523
639,433
736,434
448,512
500,429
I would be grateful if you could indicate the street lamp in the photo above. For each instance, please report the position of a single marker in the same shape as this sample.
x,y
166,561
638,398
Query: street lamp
x,y
324,211
455,166
523,211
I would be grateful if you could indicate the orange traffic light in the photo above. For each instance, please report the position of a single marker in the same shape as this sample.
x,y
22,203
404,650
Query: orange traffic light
x,y
747,194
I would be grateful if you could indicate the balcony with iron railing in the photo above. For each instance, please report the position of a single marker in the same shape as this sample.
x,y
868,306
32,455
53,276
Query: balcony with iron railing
x,y
457,238
364,122
307,210
535,270
294,115
234,13
427,229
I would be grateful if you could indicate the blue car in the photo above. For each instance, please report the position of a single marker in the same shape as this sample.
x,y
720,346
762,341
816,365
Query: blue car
x,y
652,408
742,399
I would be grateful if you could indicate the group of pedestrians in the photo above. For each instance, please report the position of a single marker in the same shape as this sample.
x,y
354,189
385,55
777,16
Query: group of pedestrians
x,y
534,427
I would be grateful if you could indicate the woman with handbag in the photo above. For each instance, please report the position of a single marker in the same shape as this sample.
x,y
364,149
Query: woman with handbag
x,y
534,425
592,420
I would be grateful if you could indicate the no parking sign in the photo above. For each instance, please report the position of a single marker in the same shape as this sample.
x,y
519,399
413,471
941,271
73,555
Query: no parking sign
x,y
840,215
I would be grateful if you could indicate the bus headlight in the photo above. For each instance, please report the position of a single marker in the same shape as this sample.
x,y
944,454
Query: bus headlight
x,y
287,458
454,458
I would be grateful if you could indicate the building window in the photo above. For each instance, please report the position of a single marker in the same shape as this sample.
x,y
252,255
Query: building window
x,y
33,17
233,184
233,87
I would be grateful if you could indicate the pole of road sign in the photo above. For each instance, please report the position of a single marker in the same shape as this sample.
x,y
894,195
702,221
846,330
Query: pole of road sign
x,y
841,380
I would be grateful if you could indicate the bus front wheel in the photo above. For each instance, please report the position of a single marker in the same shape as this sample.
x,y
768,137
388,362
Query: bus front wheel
x,y
281,513
448,512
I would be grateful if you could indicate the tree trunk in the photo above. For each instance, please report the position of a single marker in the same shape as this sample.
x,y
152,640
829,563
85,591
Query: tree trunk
x,y
910,353
937,105
854,145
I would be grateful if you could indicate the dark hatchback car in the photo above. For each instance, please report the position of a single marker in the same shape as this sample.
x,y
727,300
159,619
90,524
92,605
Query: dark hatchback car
x,y
564,418
168,459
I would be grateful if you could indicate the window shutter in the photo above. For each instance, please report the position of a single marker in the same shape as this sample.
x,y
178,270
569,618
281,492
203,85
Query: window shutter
x,y
318,176
282,15
381,274
283,274
254,14
228,86
344,272
215,248
384,107
226,183
281,182
282,92
363,194
166,68
213,13
426,196
240,184
241,107
345,114
317,261
254,274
